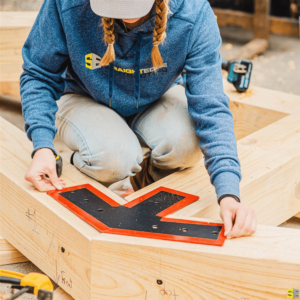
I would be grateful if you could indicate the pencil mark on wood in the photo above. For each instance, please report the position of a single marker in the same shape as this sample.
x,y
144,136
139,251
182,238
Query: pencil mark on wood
x,y
168,292
51,243
32,217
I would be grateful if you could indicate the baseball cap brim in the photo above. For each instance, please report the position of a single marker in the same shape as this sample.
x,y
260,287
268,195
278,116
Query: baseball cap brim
x,y
121,9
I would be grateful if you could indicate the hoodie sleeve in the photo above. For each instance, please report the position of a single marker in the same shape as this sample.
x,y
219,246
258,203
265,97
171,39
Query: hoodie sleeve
x,y
45,58
209,106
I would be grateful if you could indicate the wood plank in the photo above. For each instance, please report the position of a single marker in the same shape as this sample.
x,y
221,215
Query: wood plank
x,y
60,294
11,89
284,26
37,225
261,19
14,29
264,98
227,17
17,18
270,166
270,160
297,215
245,268
251,49
98,266
9,254
12,41
248,119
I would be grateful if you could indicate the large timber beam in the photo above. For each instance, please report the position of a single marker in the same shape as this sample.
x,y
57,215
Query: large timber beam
x,y
92,266
39,229
285,26
60,294
9,254
270,159
14,29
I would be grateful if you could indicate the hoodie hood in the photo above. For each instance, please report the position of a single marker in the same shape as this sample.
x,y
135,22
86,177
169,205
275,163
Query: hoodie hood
x,y
133,40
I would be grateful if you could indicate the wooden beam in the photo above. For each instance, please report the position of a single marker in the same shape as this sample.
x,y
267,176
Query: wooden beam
x,y
40,229
9,254
285,26
227,17
264,98
250,50
98,266
14,29
60,294
17,19
194,271
261,19
249,119
11,89
270,160
102,266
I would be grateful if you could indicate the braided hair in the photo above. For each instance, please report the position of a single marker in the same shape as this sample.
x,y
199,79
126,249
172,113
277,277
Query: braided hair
x,y
159,32
159,35
109,38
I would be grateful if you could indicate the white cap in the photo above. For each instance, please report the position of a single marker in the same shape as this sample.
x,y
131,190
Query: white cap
x,y
121,9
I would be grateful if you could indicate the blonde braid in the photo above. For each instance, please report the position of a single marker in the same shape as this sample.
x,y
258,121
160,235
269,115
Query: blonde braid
x,y
159,32
109,38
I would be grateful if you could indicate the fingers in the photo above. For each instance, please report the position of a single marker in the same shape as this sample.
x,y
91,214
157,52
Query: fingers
x,y
39,183
42,183
250,224
60,181
245,223
227,219
56,182
43,165
240,218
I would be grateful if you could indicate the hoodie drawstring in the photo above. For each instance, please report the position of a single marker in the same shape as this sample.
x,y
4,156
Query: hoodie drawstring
x,y
111,81
137,64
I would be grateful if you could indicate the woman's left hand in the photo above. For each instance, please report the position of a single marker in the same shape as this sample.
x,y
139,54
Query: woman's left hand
x,y
239,220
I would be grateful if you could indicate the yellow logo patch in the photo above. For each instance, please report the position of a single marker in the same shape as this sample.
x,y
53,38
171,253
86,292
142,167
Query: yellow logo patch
x,y
92,61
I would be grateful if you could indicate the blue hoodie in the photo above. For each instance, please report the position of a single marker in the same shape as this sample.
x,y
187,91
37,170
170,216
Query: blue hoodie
x,y
62,54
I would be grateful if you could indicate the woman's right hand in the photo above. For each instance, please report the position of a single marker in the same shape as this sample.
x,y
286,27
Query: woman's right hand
x,y
43,163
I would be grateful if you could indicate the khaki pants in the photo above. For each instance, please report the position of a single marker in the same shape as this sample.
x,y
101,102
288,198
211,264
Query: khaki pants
x,y
108,147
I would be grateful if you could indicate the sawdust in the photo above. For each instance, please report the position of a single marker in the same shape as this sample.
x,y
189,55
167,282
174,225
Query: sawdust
x,y
4,297
247,94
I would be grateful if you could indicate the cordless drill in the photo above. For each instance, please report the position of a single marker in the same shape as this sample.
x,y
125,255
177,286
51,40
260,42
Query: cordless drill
x,y
239,73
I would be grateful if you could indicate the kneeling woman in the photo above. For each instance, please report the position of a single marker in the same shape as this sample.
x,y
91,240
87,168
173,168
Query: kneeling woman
x,y
106,75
